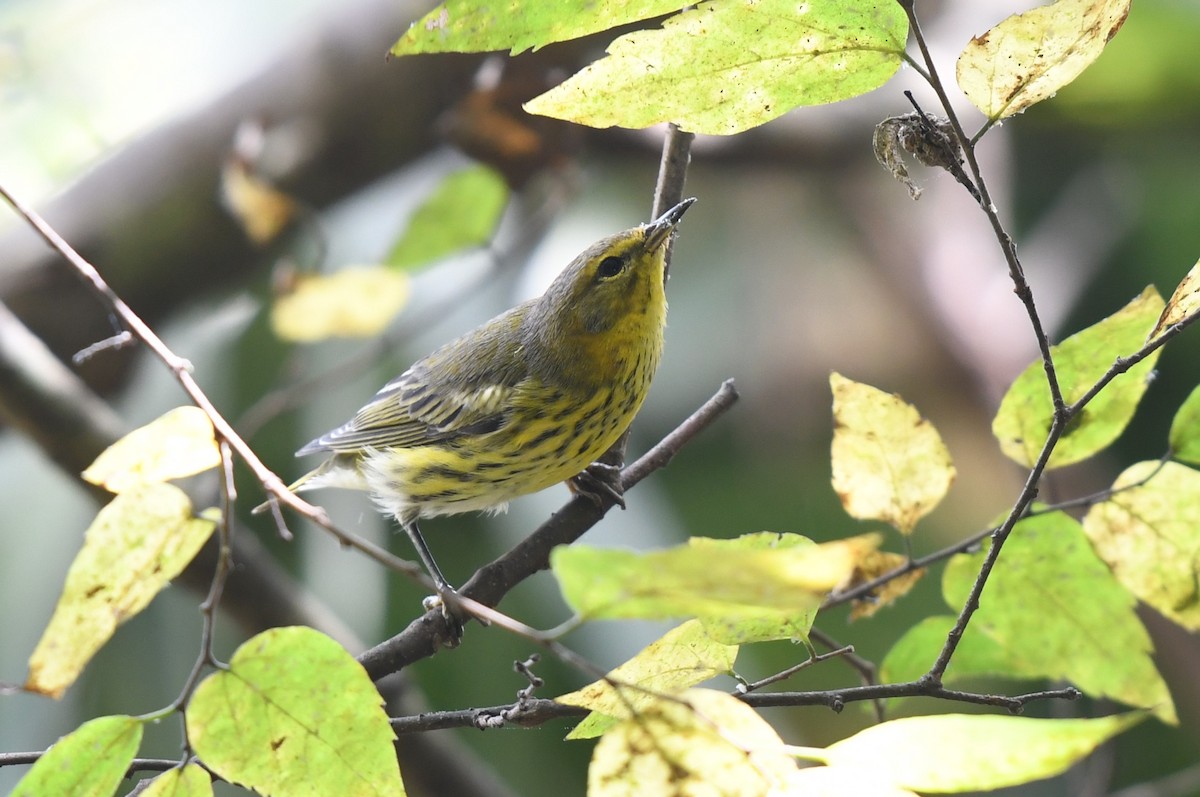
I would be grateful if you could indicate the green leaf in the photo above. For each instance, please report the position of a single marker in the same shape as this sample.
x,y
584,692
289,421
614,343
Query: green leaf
x,y
957,752
473,26
1059,613
134,547
88,762
463,212
1184,302
976,654
1150,537
179,443
353,302
295,715
889,463
1185,430
1028,57
708,740
1025,413
189,781
682,658
730,65
731,582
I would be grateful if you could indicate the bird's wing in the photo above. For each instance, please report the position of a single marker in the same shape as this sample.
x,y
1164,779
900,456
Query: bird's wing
x,y
463,388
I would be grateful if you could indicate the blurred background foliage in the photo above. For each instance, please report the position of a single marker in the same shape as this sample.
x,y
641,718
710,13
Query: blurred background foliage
x,y
801,257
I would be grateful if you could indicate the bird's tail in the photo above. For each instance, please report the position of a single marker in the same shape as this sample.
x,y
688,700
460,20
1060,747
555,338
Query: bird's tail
x,y
333,472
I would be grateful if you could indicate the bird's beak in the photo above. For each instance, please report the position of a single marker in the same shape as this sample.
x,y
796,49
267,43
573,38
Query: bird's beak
x,y
659,230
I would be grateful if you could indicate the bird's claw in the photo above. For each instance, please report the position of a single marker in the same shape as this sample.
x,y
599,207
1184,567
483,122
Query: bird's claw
x,y
599,481
451,612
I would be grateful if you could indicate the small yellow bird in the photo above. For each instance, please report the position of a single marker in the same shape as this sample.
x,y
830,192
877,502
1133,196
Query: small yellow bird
x,y
527,400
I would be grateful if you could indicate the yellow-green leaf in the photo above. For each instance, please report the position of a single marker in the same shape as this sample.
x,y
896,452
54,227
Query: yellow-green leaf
x,y
842,782
1025,413
134,547
357,302
88,762
889,463
463,212
473,26
724,582
976,654
1184,302
1185,430
177,444
1028,57
682,658
1150,537
295,715
189,781
707,742
956,752
729,65
1058,612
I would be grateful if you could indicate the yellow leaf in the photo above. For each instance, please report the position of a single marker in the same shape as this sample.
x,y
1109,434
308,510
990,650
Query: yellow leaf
x,y
843,782
351,303
262,210
1149,536
137,544
177,444
889,463
683,657
706,580
189,781
708,742
1184,302
1028,57
872,566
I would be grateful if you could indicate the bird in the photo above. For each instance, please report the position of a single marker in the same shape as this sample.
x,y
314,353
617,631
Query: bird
x,y
524,401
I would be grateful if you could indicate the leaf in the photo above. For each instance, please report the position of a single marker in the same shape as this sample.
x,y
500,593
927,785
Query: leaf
x,y
976,654
1150,537
177,444
707,743
1028,57
1058,612
88,762
1025,413
189,781
728,582
463,212
730,65
682,658
871,567
134,547
350,303
1184,302
295,715
889,463
1185,430
841,782
472,26
958,752
262,210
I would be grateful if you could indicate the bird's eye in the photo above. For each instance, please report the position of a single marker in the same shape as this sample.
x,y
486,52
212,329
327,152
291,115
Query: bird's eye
x,y
610,267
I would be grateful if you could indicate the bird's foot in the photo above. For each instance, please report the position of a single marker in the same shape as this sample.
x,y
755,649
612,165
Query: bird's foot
x,y
452,612
599,481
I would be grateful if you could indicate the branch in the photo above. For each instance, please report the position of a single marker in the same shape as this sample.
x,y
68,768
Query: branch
x,y
493,581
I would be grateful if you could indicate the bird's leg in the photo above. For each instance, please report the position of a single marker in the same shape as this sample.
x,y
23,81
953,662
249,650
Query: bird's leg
x,y
597,481
447,596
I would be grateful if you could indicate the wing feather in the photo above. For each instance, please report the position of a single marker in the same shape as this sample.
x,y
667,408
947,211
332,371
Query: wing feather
x,y
464,388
